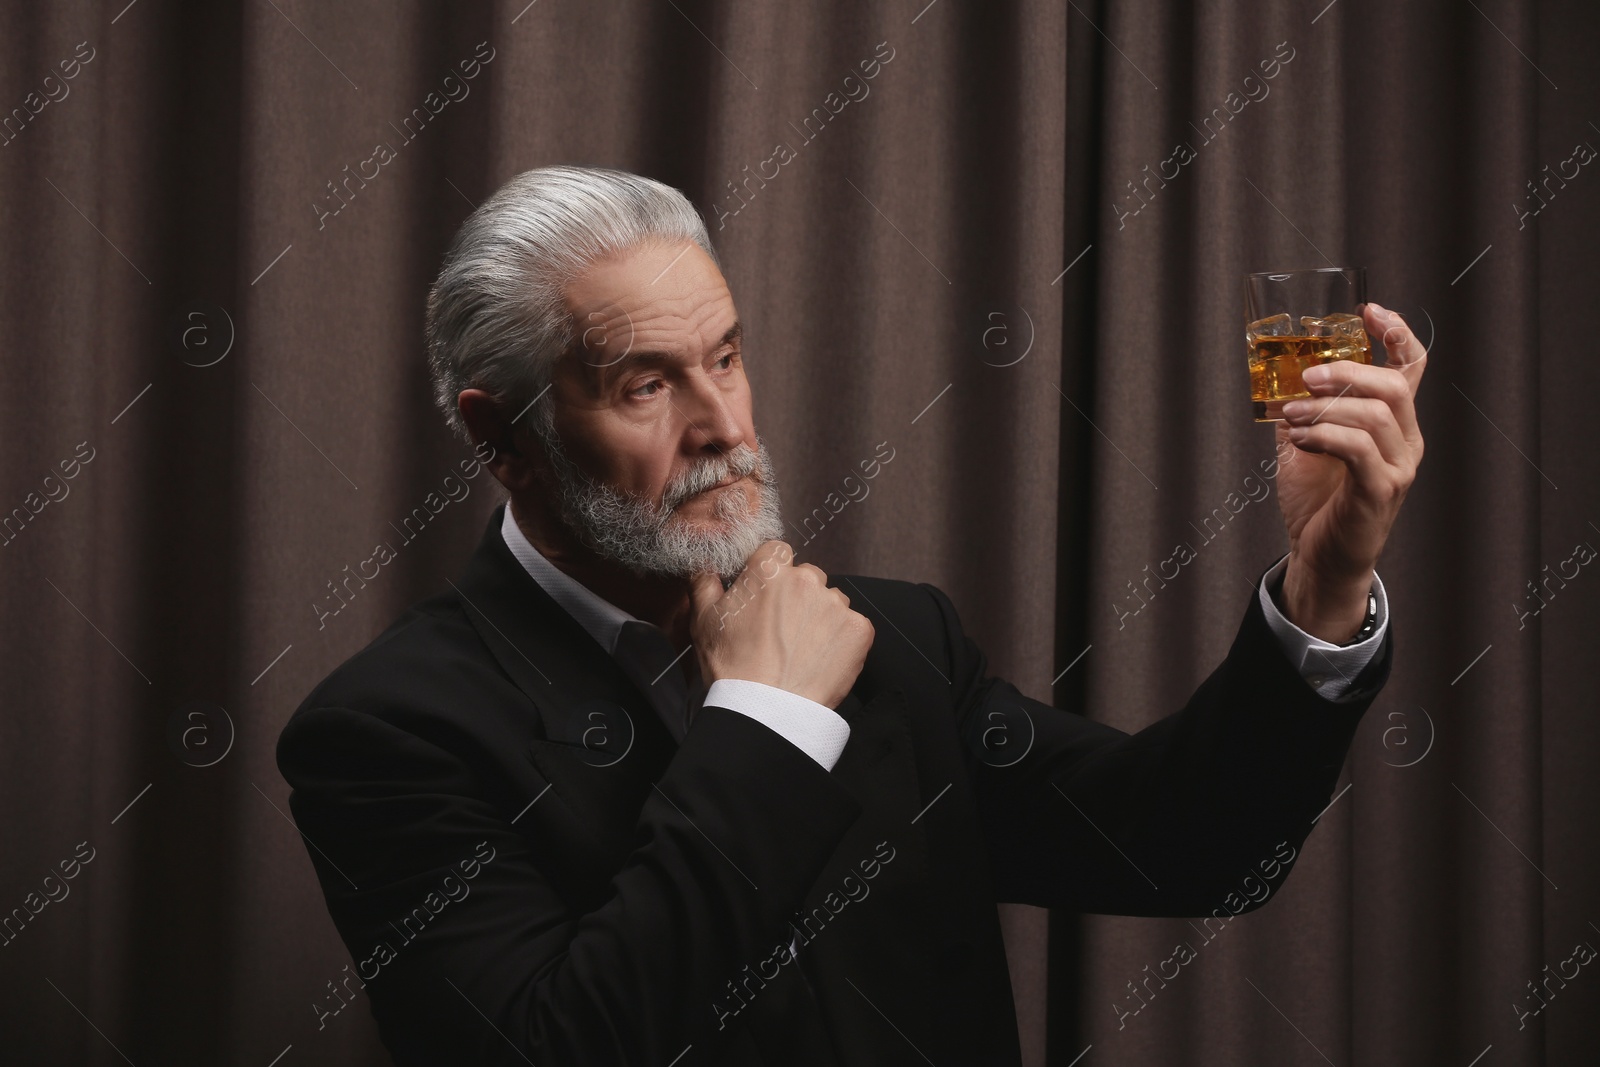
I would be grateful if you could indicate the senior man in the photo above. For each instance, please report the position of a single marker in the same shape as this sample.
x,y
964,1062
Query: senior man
x,y
640,789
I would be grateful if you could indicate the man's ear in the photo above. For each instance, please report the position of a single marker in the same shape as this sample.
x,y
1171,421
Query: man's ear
x,y
510,462
484,422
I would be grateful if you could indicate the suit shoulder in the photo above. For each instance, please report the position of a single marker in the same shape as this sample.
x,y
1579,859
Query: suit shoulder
x,y
889,599
903,613
426,657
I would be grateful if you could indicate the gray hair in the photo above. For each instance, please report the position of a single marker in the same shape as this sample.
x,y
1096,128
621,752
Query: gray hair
x,y
495,317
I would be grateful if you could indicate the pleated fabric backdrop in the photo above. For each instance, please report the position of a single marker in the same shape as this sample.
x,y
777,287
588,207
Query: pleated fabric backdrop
x,y
217,226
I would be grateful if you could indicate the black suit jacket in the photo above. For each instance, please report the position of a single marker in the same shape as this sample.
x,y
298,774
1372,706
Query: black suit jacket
x,y
525,867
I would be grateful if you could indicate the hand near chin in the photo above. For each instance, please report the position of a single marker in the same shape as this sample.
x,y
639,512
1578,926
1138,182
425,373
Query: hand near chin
x,y
781,625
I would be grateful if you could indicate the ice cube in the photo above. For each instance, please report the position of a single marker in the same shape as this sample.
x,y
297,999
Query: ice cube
x,y
1346,325
1338,324
1344,333
1271,326
1345,336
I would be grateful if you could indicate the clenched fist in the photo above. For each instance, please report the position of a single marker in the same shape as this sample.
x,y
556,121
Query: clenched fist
x,y
780,625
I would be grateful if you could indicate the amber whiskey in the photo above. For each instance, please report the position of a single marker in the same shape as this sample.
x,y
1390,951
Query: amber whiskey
x,y
1281,350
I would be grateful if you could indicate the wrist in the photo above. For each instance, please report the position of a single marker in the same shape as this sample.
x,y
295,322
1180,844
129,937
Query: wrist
x,y
1332,611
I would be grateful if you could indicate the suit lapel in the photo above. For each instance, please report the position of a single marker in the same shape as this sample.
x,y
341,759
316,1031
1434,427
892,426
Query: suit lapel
x,y
601,744
545,651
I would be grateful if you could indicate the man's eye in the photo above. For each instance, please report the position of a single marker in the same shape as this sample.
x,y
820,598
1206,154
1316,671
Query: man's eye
x,y
726,361
647,389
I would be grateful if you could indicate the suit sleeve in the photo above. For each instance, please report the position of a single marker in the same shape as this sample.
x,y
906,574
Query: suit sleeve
x,y
1200,810
493,966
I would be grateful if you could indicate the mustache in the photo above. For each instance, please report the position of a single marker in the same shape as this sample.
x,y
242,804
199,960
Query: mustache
x,y
741,462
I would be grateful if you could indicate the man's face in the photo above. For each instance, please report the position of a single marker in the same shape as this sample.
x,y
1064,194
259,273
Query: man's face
x,y
653,411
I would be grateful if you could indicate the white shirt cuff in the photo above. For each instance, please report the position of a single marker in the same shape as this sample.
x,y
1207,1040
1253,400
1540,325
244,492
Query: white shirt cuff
x,y
815,729
1326,667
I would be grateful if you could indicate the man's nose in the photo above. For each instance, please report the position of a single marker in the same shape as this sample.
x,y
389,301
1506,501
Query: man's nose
x,y
712,417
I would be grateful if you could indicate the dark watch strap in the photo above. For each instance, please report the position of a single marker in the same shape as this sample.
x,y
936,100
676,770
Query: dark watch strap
x,y
1369,625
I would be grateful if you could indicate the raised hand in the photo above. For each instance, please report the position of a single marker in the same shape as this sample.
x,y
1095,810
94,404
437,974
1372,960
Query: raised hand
x,y
1358,448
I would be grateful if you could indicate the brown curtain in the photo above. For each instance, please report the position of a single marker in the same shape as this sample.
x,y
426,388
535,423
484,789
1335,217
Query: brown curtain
x,y
216,403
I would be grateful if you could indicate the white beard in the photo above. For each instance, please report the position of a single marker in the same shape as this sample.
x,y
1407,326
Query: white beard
x,y
651,539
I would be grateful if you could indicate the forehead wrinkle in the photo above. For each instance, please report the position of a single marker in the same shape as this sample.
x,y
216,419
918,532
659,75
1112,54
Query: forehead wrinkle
x,y
666,331
687,313
665,320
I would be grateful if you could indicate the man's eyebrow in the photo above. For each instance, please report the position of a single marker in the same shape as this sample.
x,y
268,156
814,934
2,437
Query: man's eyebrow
x,y
653,355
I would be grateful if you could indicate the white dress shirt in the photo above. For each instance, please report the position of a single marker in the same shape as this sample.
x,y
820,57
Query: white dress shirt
x,y
819,731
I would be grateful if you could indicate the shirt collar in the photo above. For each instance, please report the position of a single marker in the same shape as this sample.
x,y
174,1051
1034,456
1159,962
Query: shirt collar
x,y
601,618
